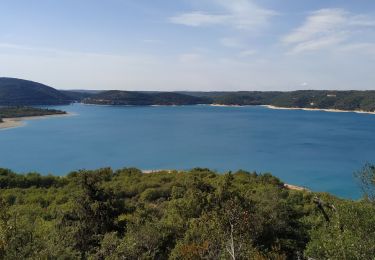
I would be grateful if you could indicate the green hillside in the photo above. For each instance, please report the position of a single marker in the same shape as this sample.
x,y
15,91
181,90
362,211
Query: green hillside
x,y
116,97
322,99
18,92
12,112
77,95
197,214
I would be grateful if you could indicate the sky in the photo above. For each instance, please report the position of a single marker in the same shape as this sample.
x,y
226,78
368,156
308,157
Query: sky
x,y
198,45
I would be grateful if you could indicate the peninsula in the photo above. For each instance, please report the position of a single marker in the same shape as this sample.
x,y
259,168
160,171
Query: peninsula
x,y
13,116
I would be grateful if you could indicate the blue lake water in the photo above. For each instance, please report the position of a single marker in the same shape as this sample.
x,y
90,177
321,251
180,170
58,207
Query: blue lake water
x,y
319,150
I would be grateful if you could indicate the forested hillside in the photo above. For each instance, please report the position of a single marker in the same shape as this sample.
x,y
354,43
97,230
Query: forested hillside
x,y
198,214
11,112
116,97
18,92
322,99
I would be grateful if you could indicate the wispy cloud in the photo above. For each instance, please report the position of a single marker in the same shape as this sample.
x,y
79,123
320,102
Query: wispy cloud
x,y
190,57
326,28
240,14
46,50
365,48
231,42
247,53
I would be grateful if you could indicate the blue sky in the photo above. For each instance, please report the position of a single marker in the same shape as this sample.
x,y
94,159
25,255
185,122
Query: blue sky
x,y
190,45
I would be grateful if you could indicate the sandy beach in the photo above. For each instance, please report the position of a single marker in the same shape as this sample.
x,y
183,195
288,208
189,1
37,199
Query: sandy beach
x,y
295,187
220,105
319,109
19,121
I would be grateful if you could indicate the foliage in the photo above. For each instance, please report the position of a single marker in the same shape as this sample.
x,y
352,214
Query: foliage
x,y
366,177
196,214
18,92
322,99
349,235
117,97
10,112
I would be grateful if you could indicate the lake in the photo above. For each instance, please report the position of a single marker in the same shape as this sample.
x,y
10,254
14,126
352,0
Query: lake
x,y
319,150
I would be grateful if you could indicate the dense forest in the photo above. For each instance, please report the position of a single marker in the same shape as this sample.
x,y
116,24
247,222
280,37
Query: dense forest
x,y
18,92
12,112
196,214
116,97
319,99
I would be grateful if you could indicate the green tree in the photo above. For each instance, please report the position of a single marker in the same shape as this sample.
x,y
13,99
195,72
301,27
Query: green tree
x,y
350,234
366,178
93,214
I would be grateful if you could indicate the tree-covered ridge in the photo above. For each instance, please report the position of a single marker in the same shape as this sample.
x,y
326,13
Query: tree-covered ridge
x,y
197,214
13,112
133,98
18,92
321,99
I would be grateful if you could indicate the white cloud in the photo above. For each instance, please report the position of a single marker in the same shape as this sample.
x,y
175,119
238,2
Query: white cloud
x,y
240,14
324,29
247,53
318,24
189,57
198,19
362,20
318,44
231,43
365,48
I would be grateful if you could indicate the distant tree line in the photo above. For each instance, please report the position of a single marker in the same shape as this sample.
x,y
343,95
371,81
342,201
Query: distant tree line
x,y
21,111
18,92
321,99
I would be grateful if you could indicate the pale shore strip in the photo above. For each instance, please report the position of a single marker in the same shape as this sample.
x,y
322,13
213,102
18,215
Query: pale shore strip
x,y
220,105
294,187
319,109
157,171
19,121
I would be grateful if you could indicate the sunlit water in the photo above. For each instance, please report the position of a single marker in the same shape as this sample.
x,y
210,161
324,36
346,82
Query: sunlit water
x,y
319,150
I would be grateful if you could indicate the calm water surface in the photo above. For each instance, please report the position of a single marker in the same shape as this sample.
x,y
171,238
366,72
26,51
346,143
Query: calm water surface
x,y
319,150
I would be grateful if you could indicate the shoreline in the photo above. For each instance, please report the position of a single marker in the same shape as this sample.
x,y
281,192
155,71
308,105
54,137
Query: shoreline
x,y
295,187
14,122
220,105
267,106
319,109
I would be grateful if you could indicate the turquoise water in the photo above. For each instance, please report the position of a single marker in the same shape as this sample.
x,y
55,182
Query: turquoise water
x,y
319,150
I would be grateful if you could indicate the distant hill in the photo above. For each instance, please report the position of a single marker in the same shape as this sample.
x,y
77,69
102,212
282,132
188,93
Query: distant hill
x,y
78,95
318,99
19,92
12,112
116,97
